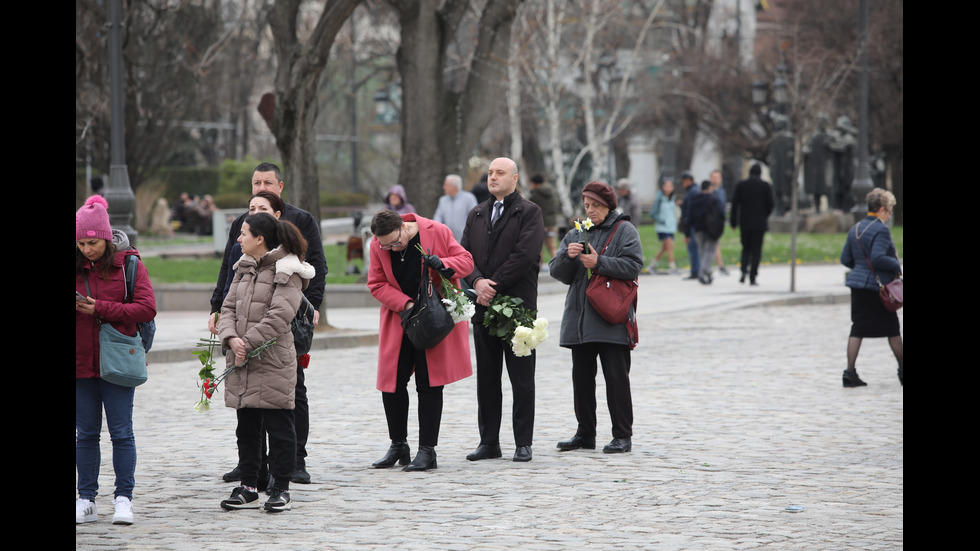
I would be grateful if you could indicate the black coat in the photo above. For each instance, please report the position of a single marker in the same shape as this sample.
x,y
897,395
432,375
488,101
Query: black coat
x,y
509,253
752,204
307,226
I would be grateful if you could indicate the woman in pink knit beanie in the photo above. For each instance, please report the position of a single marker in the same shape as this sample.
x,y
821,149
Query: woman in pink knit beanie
x,y
100,297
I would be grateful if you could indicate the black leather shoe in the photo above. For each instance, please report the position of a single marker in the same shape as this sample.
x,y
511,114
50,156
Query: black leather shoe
x,y
399,452
233,475
485,451
523,454
618,445
424,460
851,379
577,442
300,476
901,380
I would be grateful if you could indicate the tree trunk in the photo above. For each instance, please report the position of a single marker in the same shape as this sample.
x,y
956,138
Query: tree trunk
x,y
292,113
441,126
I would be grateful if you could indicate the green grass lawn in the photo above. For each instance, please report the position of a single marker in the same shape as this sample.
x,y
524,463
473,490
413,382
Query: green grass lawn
x,y
811,248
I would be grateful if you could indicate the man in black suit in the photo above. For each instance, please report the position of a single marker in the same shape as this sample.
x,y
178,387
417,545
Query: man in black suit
x,y
752,204
504,234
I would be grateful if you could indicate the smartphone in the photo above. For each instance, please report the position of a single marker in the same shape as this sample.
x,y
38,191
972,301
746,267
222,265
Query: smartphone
x,y
79,297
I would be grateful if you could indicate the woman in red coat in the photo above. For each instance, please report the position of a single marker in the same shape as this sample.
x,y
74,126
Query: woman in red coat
x,y
394,274
101,298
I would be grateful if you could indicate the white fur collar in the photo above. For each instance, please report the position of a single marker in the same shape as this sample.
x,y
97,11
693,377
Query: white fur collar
x,y
291,264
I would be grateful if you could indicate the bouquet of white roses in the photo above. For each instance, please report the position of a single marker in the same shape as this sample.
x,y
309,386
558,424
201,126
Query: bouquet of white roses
x,y
527,339
507,319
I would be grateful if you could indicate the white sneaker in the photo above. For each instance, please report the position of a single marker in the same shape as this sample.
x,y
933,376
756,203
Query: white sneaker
x,y
85,511
124,511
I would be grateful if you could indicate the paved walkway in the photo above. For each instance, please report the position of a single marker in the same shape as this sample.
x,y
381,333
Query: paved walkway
x,y
739,414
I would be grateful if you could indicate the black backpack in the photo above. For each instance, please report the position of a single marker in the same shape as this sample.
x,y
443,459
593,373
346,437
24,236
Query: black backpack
x,y
712,221
147,329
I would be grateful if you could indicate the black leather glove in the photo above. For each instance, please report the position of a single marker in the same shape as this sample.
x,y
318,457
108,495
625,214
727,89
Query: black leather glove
x,y
436,264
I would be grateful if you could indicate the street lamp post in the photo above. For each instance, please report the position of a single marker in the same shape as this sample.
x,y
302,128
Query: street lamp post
x,y
119,194
862,181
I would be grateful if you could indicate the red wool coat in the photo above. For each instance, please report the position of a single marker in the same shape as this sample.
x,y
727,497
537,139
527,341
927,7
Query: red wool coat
x,y
110,308
448,361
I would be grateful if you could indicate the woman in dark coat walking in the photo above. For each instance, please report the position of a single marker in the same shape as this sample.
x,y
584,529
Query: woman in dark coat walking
x,y
870,253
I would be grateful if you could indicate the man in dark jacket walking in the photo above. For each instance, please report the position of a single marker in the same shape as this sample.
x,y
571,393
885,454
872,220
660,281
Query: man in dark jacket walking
x,y
504,234
752,203
690,191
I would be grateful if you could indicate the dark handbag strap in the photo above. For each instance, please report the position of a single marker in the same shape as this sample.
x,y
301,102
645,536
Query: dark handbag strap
x,y
608,241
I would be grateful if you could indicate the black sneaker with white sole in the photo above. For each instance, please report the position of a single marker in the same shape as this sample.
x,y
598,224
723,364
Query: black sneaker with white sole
x,y
278,501
241,498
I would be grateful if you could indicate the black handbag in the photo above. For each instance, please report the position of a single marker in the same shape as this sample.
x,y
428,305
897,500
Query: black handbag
x,y
302,327
428,322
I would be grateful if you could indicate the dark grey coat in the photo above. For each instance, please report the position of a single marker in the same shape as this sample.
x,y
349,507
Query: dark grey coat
x,y
623,260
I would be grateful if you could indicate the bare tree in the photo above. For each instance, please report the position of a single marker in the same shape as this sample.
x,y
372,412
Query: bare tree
x,y
169,53
291,111
453,66
604,102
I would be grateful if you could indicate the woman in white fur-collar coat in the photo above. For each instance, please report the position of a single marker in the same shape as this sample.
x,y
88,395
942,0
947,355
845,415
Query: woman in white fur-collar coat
x,y
260,306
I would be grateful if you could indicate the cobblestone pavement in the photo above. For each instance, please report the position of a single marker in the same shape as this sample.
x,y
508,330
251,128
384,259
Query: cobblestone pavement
x,y
739,414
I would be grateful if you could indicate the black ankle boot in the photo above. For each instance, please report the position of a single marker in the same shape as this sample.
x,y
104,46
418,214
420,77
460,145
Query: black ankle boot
x,y
399,452
852,380
424,460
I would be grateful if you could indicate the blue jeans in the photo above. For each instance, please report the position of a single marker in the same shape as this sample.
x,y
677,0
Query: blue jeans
x,y
695,257
91,395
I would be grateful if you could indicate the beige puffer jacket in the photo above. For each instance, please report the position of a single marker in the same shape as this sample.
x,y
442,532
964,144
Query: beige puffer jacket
x,y
260,305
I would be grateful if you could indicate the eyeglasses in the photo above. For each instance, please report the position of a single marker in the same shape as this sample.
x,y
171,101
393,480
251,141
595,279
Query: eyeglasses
x,y
393,244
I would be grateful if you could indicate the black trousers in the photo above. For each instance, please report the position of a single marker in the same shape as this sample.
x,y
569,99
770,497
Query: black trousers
x,y
301,422
751,251
430,398
491,352
616,371
278,424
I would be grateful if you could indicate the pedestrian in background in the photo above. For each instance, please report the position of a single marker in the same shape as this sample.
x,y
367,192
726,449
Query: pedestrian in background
x,y
870,253
454,205
690,190
627,204
708,219
752,203
664,214
718,191
397,201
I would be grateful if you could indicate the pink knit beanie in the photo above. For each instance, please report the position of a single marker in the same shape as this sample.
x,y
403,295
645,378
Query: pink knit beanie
x,y
92,220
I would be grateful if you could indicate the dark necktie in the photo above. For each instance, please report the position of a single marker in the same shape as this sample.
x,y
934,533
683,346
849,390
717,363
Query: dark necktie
x,y
497,207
